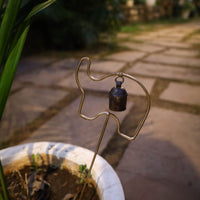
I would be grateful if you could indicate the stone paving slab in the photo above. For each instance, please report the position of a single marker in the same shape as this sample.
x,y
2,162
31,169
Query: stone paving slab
x,y
162,41
178,34
166,37
16,85
193,41
24,106
128,56
143,38
181,30
105,66
178,52
124,35
182,93
172,60
107,84
146,188
33,62
69,127
67,63
46,76
143,47
160,32
197,37
170,44
164,160
150,36
165,71
176,38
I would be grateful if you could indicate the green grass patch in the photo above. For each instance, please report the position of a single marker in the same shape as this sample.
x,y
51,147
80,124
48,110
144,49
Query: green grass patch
x,y
139,27
128,39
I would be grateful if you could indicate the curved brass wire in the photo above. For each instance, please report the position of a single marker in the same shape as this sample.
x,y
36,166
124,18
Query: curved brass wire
x,y
118,74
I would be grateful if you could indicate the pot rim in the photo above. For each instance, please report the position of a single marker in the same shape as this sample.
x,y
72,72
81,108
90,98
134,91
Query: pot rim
x,y
109,185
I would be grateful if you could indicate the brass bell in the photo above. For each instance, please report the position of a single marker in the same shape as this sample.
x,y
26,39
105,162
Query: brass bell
x,y
118,97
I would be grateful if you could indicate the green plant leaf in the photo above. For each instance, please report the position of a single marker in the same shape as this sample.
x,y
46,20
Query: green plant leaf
x,y
9,70
25,9
82,180
80,168
1,197
84,167
38,8
7,25
3,183
15,46
33,158
38,157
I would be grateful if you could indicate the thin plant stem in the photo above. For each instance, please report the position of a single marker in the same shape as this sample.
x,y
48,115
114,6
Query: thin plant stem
x,y
1,197
3,183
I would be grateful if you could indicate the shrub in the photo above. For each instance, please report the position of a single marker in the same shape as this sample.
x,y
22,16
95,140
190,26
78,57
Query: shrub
x,y
141,2
76,23
188,5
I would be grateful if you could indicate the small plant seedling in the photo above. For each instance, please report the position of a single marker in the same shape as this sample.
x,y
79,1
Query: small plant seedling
x,y
35,163
83,170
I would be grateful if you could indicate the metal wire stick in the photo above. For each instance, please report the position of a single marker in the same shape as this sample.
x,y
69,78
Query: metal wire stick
x,y
95,154
107,114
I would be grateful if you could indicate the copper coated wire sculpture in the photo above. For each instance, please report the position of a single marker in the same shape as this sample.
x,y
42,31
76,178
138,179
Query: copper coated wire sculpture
x,y
108,114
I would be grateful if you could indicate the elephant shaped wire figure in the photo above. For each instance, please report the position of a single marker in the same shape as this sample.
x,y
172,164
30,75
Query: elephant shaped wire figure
x,y
108,114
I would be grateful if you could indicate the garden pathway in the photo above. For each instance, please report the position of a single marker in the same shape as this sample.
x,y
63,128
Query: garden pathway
x,y
163,162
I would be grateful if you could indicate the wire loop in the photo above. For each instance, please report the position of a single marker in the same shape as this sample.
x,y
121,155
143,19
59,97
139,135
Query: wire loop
x,y
118,75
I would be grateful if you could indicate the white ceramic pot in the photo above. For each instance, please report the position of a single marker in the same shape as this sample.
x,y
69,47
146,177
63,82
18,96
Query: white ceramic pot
x,y
69,157
150,3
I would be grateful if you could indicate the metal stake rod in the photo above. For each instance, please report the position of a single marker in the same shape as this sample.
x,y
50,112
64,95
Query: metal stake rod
x,y
95,154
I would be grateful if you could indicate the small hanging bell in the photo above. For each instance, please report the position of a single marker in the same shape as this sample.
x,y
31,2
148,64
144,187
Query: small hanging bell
x,y
118,97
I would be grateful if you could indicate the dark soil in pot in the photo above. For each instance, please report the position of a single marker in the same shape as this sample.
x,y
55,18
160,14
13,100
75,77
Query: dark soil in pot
x,y
47,183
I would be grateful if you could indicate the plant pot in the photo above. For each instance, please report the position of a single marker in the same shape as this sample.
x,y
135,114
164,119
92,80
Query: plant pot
x,y
150,3
67,156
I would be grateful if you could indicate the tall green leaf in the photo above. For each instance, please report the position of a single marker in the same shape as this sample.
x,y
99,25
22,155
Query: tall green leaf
x,y
3,184
16,46
9,70
38,8
7,25
1,197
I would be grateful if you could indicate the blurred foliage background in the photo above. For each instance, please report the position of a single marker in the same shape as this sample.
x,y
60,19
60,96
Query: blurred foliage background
x,y
77,24
74,24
